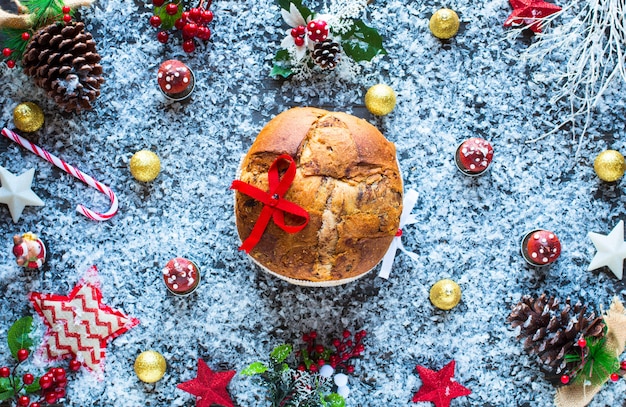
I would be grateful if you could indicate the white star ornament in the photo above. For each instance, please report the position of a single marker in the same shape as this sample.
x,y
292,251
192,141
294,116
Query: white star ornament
x,y
16,193
611,250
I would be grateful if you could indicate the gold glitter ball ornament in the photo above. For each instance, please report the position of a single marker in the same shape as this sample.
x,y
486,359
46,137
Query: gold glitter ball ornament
x,y
380,99
150,366
445,294
609,165
444,24
145,165
28,117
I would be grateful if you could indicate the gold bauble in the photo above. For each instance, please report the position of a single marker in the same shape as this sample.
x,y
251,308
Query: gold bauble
x,y
444,24
380,99
150,366
445,294
145,165
609,165
28,117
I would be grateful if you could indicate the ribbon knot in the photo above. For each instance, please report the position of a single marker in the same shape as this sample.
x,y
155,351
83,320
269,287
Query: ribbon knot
x,y
275,206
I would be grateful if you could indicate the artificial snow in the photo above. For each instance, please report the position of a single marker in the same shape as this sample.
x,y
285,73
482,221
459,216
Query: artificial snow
x,y
469,228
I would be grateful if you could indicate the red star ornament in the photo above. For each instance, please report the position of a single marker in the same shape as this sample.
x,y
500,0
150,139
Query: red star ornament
x,y
209,387
439,387
530,13
79,325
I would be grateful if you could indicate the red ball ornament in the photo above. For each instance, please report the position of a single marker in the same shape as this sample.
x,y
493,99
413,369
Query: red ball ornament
x,y
473,156
317,30
614,377
565,379
22,355
541,247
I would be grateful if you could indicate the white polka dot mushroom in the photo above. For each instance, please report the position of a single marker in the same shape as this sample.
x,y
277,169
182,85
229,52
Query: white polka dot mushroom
x,y
541,247
175,79
181,276
473,156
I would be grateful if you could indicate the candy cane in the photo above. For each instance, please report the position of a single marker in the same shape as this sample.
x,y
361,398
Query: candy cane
x,y
33,148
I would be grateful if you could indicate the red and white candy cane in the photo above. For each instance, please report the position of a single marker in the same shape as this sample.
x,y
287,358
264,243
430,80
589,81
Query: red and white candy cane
x,y
70,170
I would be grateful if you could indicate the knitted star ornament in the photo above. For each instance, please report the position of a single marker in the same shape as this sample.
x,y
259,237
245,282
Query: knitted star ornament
x,y
209,387
79,325
439,387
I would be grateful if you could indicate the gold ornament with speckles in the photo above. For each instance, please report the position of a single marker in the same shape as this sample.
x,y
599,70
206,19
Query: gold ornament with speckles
x,y
444,24
609,165
28,117
380,99
445,294
150,366
145,166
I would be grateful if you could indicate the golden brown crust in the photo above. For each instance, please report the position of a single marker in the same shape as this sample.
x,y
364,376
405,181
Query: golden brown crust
x,y
348,180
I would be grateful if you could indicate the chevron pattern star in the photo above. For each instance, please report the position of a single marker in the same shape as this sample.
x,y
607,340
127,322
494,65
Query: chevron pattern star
x,y
79,325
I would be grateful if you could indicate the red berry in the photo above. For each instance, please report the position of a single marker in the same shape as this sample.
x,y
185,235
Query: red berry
x,y
346,334
301,368
5,372
23,401
11,63
184,15
623,365
51,398
300,29
163,36
582,342
189,46
67,18
313,368
565,379
350,369
6,52
305,337
299,41
59,374
195,14
155,21
66,9
317,30
541,247
28,379
22,354
474,155
207,16
25,36
158,3
336,342
75,364
319,349
190,30
60,391
179,24
294,33
614,377
35,404
45,381
204,33
171,9
321,362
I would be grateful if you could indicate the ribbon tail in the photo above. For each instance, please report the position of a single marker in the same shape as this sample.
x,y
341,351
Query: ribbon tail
x,y
412,255
257,230
410,199
385,268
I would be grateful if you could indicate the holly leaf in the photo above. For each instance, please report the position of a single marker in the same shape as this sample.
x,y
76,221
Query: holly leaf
x,y
286,5
167,21
282,64
281,352
6,390
34,387
18,336
253,369
362,43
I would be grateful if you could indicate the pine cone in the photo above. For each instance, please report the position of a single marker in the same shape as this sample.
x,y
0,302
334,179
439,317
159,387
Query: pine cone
x,y
550,333
62,59
326,54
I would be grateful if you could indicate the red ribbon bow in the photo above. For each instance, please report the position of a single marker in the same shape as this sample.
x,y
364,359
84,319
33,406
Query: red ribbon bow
x,y
275,206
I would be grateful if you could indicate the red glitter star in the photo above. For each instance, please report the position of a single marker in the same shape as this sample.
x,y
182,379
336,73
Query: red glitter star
x,y
531,13
439,387
209,387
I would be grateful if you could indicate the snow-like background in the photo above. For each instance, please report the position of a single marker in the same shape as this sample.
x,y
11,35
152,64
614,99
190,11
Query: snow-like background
x,y
469,229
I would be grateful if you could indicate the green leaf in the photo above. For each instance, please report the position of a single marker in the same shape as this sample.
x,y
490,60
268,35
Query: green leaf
x,y
280,70
334,400
34,387
286,5
254,368
281,352
282,64
6,390
362,43
18,336
167,21
44,11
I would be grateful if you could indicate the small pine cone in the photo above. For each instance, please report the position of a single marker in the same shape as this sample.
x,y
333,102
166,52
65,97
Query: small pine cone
x,y
62,59
551,334
326,54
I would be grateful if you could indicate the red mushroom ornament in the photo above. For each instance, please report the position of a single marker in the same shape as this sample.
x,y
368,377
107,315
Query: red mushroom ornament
x,y
541,247
473,156
181,276
175,79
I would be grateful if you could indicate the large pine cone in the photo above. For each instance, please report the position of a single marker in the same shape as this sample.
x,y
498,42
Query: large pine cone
x,y
63,61
550,333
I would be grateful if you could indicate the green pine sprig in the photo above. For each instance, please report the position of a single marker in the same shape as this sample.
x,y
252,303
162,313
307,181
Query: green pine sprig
x,y
596,364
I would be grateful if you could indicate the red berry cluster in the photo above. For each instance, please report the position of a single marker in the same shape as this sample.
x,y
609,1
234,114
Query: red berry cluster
x,y
52,383
298,34
313,355
192,23
316,30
